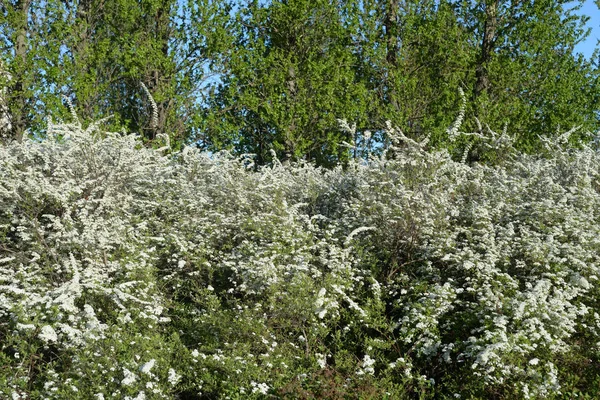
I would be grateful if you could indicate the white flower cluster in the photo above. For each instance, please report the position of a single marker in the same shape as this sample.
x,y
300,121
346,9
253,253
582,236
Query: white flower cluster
x,y
487,271
71,253
5,117
495,265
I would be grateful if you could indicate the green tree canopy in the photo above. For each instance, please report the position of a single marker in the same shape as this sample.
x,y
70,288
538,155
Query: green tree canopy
x,y
290,74
255,76
98,53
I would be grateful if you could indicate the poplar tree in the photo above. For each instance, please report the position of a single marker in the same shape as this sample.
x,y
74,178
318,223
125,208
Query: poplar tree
x,y
413,58
288,77
514,60
285,70
99,53
28,46
116,46
526,73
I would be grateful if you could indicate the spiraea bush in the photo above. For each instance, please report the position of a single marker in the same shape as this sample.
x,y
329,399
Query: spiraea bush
x,y
133,273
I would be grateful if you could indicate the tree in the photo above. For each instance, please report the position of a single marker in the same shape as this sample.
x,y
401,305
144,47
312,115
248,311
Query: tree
x,y
413,57
286,70
526,75
98,53
289,75
166,45
25,46
515,59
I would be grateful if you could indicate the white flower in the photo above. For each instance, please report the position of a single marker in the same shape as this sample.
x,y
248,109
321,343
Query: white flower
x,y
322,313
368,361
580,281
534,361
357,231
261,388
320,309
145,368
25,327
321,360
48,334
129,377
367,365
140,396
174,377
320,297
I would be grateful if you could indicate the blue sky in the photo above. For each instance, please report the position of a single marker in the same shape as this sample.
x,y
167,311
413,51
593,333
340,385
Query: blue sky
x,y
590,9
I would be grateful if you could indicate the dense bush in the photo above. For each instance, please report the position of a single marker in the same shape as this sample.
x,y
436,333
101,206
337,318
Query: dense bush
x,y
129,273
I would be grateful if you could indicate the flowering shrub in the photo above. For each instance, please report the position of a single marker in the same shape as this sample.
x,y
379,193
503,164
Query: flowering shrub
x,y
128,272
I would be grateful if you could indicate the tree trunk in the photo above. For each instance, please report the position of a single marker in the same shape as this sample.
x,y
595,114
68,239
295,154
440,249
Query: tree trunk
x,y
482,83
17,93
390,22
158,76
392,37
84,17
5,118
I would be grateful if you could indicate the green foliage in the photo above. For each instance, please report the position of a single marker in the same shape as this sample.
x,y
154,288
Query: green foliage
x,y
295,67
256,76
536,82
99,53
288,76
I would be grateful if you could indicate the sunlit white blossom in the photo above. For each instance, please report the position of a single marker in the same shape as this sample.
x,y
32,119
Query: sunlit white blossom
x,y
48,334
146,367
128,377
